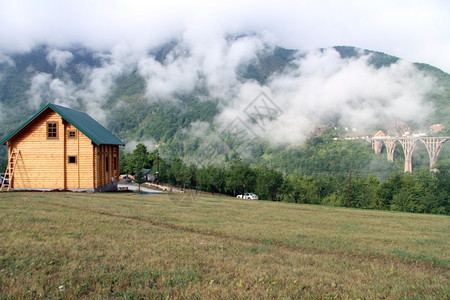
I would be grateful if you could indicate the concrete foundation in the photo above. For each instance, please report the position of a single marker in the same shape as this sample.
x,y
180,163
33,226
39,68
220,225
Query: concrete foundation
x,y
110,187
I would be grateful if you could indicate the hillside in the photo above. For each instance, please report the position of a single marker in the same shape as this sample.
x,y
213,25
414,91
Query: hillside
x,y
183,99
164,246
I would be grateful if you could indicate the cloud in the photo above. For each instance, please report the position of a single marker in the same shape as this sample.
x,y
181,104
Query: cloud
x,y
6,59
412,29
221,63
195,63
39,89
92,92
44,88
325,87
149,143
59,58
318,87
178,74
98,82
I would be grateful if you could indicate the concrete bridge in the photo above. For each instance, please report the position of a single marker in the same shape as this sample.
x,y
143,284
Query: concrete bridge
x,y
433,145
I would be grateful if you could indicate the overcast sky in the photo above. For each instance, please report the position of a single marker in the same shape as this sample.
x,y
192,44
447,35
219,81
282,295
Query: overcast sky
x,y
416,30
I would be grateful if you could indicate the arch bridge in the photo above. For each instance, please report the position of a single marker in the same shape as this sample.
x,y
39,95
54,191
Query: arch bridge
x,y
433,145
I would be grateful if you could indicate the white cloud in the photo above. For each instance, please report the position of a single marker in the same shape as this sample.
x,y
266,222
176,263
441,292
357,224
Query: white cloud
x,y
39,89
320,86
150,144
198,63
59,58
179,74
44,88
6,59
96,84
412,29
324,86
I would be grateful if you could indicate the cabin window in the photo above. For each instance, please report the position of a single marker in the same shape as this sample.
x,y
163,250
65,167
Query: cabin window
x,y
107,163
72,159
115,163
72,134
52,130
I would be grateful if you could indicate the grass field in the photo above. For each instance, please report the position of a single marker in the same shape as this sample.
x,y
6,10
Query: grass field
x,y
125,245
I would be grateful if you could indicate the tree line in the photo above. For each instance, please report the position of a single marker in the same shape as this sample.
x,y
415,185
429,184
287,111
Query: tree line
x,y
421,191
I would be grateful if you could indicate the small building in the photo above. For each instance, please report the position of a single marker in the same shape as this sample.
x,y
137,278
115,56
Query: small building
x,y
62,148
435,128
146,173
377,145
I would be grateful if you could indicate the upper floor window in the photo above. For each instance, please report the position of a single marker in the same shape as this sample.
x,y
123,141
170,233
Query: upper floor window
x,y
72,134
52,130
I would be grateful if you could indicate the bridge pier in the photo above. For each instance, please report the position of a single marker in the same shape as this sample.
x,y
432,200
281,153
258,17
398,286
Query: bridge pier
x,y
408,148
434,146
390,148
377,146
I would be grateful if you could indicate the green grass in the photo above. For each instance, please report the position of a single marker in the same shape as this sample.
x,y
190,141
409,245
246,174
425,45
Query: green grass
x,y
82,245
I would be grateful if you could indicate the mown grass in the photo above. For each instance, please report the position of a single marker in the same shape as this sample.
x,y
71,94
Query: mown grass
x,y
82,245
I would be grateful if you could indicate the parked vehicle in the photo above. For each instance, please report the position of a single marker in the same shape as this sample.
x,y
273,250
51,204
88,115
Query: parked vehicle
x,y
248,196
1,180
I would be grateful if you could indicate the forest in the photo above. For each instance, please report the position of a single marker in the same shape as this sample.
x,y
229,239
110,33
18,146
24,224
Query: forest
x,y
421,192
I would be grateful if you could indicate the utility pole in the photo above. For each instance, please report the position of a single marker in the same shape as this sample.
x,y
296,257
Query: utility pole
x,y
349,187
157,167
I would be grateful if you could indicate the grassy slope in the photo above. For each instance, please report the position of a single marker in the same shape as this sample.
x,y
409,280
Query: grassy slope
x,y
128,245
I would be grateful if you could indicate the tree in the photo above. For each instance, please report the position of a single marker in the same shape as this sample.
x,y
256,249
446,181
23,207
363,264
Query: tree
x,y
212,179
294,183
364,192
217,176
178,172
388,189
191,176
161,173
139,179
443,186
122,162
138,160
241,177
268,183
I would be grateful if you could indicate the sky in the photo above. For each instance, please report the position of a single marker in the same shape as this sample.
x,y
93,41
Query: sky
x,y
415,30
322,86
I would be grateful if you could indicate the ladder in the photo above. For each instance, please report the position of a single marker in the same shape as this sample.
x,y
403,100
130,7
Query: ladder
x,y
9,173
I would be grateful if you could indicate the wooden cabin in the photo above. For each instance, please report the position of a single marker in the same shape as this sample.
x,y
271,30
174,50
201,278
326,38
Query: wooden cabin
x,y
62,148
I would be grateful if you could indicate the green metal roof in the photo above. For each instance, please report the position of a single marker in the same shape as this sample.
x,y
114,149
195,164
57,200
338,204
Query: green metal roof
x,y
83,122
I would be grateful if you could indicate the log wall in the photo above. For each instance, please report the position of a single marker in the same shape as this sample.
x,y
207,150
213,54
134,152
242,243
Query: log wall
x,y
45,163
106,164
41,161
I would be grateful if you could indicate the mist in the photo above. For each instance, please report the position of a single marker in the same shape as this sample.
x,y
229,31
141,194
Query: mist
x,y
317,86
414,30
323,86
150,144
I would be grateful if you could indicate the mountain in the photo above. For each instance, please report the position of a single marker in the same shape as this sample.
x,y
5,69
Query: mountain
x,y
184,97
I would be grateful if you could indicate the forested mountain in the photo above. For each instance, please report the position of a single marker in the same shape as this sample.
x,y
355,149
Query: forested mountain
x,y
186,100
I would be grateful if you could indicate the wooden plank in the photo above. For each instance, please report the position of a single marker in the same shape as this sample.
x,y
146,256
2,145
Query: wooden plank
x,y
45,162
